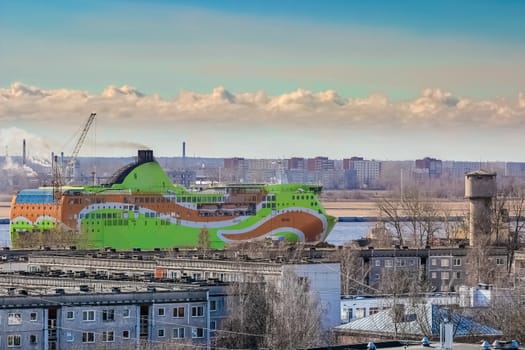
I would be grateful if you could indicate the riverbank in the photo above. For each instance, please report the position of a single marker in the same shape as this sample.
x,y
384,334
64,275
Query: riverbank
x,y
369,209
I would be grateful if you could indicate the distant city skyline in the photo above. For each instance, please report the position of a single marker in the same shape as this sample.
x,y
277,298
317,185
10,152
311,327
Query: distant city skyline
x,y
381,79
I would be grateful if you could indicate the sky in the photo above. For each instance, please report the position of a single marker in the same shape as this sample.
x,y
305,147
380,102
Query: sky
x,y
381,79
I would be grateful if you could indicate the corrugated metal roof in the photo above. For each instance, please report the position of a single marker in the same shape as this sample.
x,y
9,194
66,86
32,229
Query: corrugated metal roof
x,y
419,320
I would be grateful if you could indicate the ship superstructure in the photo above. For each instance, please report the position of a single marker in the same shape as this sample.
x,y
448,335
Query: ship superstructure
x,y
141,208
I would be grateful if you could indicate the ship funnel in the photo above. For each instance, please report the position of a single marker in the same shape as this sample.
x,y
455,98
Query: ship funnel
x,y
145,156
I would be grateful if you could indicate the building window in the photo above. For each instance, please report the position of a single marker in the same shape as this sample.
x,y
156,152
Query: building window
x,y
400,262
457,275
378,262
373,310
213,325
388,263
178,332
14,318
88,315
88,337
69,337
197,311
445,275
14,341
108,336
434,261
197,332
70,315
434,275
213,305
32,316
125,334
161,332
457,262
126,313
445,262
360,312
108,315
32,339
178,312
349,314
499,261
161,311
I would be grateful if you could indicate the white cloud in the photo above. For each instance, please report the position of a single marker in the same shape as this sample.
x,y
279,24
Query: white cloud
x,y
325,108
127,117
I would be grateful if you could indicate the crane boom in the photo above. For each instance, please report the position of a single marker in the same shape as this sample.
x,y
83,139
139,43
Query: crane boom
x,y
71,162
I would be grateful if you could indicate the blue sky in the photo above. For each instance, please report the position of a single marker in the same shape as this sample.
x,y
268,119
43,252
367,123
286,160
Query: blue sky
x,y
472,50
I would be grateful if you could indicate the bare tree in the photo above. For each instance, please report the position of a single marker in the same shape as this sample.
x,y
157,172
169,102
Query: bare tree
x,y
505,313
353,271
249,314
391,213
516,211
277,315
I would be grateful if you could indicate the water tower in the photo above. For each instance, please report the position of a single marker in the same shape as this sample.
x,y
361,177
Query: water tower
x,y
480,189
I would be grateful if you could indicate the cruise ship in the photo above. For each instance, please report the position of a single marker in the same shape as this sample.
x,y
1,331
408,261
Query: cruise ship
x,y
140,207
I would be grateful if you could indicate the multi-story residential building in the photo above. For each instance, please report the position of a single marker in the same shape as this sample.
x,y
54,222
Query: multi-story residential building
x,y
84,317
431,166
366,172
516,169
458,168
444,269
296,163
323,276
320,163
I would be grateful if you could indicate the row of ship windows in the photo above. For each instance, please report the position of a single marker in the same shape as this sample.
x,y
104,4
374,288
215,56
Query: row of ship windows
x,y
273,198
274,206
184,199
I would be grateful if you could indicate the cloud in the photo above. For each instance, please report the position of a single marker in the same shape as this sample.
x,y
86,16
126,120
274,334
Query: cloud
x,y
125,114
324,109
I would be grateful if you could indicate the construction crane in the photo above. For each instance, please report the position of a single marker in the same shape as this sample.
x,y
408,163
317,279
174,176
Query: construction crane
x,y
68,170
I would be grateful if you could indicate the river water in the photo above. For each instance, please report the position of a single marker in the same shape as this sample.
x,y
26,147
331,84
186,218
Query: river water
x,y
342,232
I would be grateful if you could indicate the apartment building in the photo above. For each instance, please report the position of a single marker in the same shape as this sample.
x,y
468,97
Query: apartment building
x,y
88,316
323,276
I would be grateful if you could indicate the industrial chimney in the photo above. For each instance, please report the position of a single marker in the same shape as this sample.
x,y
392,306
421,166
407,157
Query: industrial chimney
x,y
24,152
480,189
183,150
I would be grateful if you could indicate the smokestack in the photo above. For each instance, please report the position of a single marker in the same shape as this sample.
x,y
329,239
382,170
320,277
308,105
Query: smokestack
x,y
24,152
183,150
62,160
52,162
